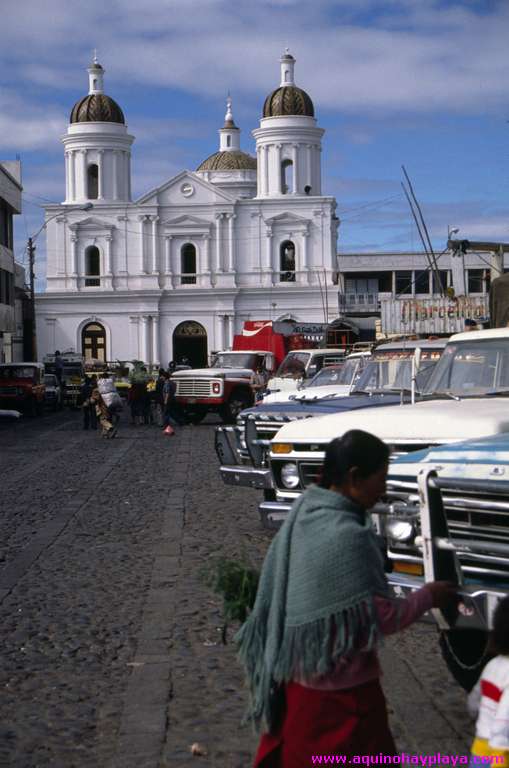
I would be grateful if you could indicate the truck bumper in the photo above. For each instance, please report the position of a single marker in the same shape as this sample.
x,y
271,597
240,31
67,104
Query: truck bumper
x,y
246,476
475,609
273,513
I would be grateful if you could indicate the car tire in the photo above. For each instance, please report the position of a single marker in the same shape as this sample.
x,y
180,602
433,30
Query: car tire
x,y
195,417
238,402
465,652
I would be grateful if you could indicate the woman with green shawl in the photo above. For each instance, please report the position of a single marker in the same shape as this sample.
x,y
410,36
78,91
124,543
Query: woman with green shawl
x,y
309,645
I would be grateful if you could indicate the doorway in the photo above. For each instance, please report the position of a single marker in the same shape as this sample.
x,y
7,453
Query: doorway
x,y
93,342
190,343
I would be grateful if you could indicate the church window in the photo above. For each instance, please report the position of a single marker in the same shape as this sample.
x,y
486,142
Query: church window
x,y
286,176
92,266
93,181
188,264
287,262
287,76
228,141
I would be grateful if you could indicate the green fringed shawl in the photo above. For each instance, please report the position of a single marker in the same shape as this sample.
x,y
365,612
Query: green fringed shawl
x,y
314,600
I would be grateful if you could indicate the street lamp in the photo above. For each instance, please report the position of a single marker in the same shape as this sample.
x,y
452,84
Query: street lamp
x,y
31,262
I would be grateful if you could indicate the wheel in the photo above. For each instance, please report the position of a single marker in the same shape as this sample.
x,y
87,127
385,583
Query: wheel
x,y
195,417
238,402
465,653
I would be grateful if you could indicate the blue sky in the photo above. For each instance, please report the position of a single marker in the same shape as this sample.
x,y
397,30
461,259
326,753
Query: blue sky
x,y
424,83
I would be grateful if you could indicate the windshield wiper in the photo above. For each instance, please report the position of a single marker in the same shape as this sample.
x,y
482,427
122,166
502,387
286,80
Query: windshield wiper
x,y
497,393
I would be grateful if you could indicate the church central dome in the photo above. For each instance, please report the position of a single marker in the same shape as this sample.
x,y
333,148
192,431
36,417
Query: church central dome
x,y
228,161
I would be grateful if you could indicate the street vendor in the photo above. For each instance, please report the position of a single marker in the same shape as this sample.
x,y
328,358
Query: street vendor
x,y
323,603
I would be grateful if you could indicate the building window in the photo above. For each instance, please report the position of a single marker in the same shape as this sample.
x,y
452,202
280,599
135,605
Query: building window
x,y
445,280
93,181
188,264
286,176
92,266
422,282
6,287
287,262
478,280
403,283
5,225
228,141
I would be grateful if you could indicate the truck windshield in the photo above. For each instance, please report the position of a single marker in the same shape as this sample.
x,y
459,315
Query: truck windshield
x,y
332,374
470,368
235,360
17,372
393,374
293,366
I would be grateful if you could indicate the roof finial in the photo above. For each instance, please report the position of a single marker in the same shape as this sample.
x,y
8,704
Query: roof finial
x,y
228,118
94,60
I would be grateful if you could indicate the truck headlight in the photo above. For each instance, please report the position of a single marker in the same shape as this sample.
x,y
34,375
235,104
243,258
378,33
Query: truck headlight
x,y
400,530
290,476
216,388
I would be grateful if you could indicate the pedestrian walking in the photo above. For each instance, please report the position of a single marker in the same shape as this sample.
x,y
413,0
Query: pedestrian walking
x,y
159,397
137,396
170,419
103,415
310,644
87,405
489,699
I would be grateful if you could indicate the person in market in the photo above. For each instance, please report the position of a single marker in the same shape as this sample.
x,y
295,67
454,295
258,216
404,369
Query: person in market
x,y
169,420
87,405
309,646
108,430
259,380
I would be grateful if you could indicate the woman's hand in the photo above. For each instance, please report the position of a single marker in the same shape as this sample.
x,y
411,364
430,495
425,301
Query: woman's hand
x,y
444,593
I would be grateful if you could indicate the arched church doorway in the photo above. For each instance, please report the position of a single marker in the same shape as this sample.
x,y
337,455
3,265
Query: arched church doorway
x,y
190,342
93,342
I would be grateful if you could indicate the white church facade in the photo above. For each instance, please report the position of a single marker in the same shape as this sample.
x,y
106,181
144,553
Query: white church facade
x,y
179,270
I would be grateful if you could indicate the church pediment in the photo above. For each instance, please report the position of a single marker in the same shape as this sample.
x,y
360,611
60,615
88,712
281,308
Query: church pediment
x,y
287,218
186,222
186,188
91,225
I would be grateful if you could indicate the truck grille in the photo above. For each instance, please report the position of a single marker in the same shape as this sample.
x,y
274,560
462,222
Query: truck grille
x,y
193,388
472,515
8,391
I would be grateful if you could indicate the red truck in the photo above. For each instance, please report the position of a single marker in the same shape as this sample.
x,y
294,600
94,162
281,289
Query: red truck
x,y
22,387
225,387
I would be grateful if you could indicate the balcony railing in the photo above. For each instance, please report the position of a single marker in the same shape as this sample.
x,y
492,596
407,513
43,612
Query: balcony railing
x,y
359,302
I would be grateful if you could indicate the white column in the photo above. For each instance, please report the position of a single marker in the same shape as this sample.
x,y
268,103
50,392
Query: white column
x,y
72,175
115,174
206,254
100,175
144,339
268,257
278,169
142,244
229,330
155,266
155,340
67,176
83,153
128,168
107,261
259,171
318,152
305,236
295,161
219,217
231,217
265,170
225,332
74,255
167,254
134,337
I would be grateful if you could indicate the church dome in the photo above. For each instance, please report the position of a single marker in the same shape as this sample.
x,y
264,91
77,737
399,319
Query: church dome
x,y
288,100
97,108
228,161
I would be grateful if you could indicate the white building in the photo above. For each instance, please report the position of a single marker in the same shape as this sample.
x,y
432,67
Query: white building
x,y
12,275
179,270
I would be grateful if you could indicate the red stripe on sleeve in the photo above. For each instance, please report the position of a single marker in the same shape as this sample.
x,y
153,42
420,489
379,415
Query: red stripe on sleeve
x,y
490,690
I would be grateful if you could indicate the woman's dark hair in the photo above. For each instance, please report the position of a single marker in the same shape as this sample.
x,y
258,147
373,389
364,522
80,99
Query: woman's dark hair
x,y
355,448
499,640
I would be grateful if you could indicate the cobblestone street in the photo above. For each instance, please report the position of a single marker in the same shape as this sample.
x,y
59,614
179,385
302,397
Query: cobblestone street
x,y
111,642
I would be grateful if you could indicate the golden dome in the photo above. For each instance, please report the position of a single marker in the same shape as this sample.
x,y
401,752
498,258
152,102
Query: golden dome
x,y
229,160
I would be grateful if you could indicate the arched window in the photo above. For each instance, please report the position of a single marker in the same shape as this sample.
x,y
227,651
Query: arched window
x,y
286,176
93,342
92,266
93,181
188,264
287,76
228,141
287,262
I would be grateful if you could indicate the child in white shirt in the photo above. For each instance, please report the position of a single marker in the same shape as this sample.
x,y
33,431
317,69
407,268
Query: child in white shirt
x,y
489,699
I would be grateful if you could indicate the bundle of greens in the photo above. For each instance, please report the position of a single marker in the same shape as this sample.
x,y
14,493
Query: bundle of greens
x,y
237,583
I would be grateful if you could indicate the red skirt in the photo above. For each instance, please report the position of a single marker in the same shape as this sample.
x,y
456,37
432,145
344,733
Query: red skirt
x,y
350,722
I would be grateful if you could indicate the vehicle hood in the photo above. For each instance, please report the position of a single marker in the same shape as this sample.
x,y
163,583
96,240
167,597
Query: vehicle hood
x,y
486,450
293,408
308,393
210,373
432,421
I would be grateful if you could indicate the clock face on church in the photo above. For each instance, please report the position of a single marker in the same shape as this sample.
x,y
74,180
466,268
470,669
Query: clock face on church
x,y
187,189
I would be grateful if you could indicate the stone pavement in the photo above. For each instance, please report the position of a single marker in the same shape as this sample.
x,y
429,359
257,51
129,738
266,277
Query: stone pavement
x,y
111,652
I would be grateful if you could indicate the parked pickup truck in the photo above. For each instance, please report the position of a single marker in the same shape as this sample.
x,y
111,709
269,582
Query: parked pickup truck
x,y
466,386
302,365
224,388
386,380
446,516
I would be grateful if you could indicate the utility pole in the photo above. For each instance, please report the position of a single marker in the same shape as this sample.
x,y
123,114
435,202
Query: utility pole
x,y
31,262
